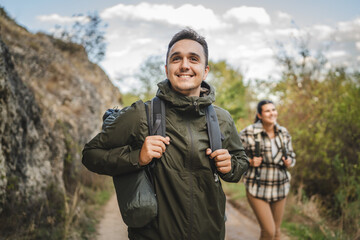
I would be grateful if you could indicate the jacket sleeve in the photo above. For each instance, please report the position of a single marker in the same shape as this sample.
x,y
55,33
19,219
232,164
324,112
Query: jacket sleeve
x,y
116,149
239,160
247,136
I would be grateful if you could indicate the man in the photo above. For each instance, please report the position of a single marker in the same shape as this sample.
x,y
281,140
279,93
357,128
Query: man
x,y
191,202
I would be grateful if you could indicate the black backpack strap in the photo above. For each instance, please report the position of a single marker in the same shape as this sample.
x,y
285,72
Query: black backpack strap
x,y
214,135
213,128
157,117
257,154
155,114
148,118
257,145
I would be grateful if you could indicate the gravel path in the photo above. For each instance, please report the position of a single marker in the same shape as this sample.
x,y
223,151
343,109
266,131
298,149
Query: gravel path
x,y
238,226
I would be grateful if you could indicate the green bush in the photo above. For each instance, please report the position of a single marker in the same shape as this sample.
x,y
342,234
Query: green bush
x,y
322,115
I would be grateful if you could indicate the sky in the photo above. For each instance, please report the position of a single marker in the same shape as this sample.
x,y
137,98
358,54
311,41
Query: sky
x,y
245,33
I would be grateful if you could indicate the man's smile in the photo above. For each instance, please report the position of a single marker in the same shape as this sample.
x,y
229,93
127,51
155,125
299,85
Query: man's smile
x,y
184,75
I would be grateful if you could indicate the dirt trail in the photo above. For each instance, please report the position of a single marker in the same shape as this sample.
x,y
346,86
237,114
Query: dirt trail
x,y
238,226
111,226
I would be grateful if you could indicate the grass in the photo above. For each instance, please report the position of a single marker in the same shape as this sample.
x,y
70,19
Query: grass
x,y
98,196
302,231
92,202
235,191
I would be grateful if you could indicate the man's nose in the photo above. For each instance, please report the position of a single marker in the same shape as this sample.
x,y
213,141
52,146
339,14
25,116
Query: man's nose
x,y
185,64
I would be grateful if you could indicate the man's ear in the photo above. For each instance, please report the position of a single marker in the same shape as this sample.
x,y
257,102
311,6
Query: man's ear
x,y
166,70
259,116
207,69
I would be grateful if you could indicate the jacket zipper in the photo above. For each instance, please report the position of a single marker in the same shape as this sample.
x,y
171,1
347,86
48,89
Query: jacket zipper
x,y
191,180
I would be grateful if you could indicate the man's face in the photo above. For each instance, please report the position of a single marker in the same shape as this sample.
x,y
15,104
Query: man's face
x,y
186,67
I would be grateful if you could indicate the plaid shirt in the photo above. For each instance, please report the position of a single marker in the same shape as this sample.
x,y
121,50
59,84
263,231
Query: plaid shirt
x,y
274,181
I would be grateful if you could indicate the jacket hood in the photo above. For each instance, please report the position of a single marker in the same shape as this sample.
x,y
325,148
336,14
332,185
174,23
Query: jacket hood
x,y
185,103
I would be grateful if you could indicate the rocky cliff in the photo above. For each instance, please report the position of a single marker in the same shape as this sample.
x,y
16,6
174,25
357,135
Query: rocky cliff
x,y
51,102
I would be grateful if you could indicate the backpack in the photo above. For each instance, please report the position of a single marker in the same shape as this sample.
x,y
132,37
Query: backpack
x,y
135,191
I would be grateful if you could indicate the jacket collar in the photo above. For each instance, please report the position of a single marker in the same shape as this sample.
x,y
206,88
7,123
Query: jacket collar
x,y
185,103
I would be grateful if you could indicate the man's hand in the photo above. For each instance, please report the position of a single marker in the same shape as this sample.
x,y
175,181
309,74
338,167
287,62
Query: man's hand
x,y
153,147
255,162
287,162
222,159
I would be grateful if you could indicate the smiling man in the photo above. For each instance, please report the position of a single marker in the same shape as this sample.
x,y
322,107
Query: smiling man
x,y
186,67
191,202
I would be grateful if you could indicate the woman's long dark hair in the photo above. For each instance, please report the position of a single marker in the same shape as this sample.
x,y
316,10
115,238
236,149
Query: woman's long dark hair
x,y
259,108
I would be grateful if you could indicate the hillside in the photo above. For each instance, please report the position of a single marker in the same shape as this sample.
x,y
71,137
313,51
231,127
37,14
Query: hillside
x,y
51,102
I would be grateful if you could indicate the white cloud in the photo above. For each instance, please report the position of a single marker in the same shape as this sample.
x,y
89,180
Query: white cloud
x,y
357,45
322,32
336,54
143,41
248,15
116,54
281,20
349,30
285,32
197,17
56,18
243,36
284,16
349,25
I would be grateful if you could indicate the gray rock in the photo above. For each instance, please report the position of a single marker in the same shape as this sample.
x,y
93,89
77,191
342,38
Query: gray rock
x,y
51,103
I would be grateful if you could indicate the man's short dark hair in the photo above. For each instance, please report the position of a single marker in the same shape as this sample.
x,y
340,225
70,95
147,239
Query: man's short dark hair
x,y
191,34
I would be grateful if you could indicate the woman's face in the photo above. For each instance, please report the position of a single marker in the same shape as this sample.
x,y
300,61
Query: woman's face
x,y
268,114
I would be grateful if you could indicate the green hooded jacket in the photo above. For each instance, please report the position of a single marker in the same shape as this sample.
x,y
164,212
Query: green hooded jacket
x,y
191,204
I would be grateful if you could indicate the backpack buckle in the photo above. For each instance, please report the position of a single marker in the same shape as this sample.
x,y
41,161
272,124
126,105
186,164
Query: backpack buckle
x,y
216,177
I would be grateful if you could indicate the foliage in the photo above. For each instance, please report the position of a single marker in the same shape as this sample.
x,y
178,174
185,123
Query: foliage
x,y
129,98
17,221
302,231
5,15
347,196
322,114
150,73
231,92
235,191
87,31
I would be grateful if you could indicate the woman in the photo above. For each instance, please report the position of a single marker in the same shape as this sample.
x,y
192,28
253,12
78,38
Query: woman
x,y
268,146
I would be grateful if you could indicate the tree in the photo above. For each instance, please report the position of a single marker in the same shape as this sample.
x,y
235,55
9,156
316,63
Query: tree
x,y
89,32
320,109
231,92
150,73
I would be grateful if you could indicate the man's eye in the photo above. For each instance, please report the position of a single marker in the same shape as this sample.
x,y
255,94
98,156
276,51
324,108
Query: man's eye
x,y
195,59
175,58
